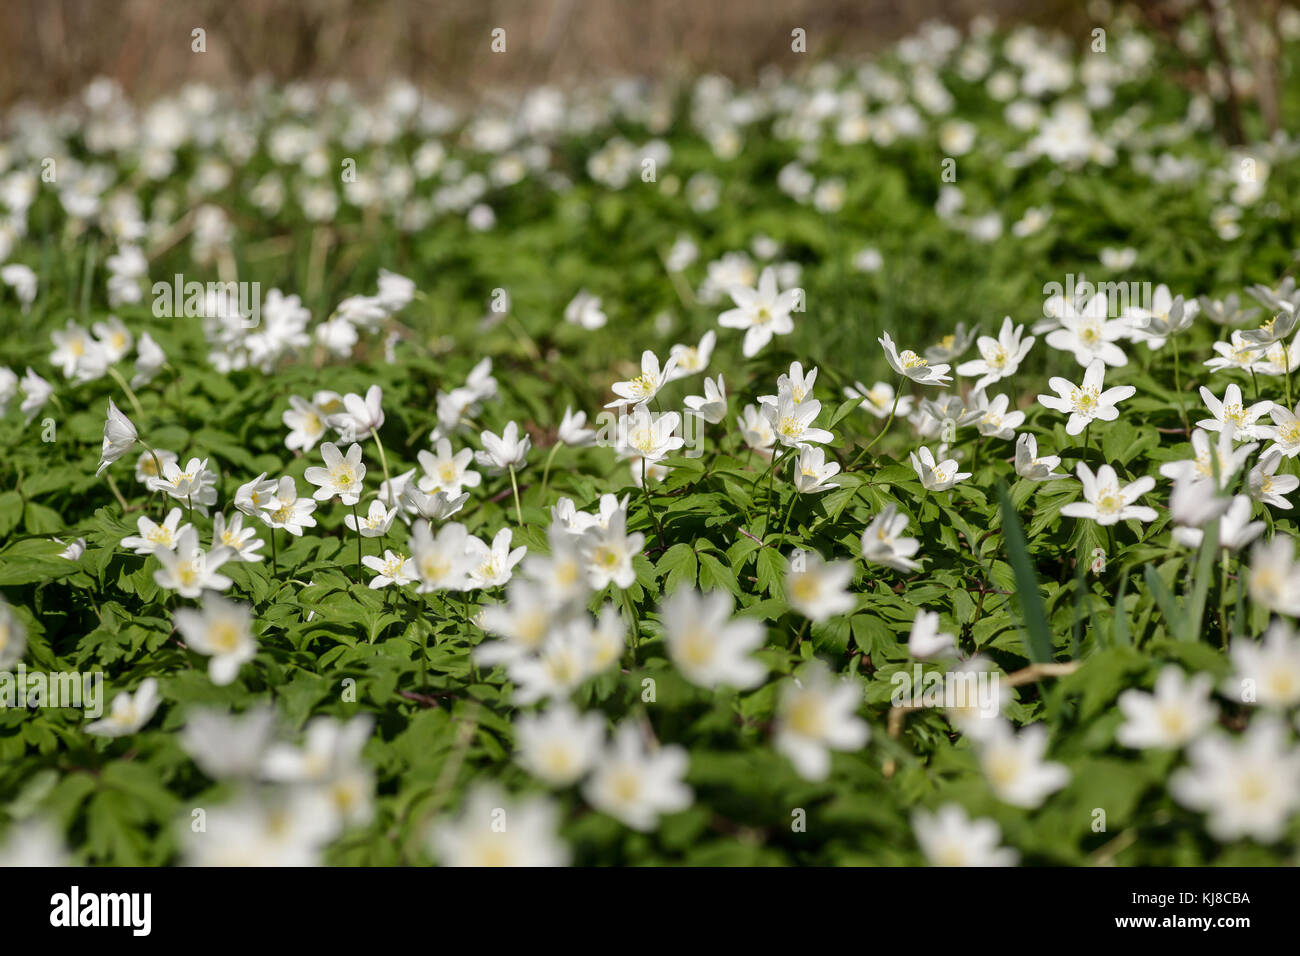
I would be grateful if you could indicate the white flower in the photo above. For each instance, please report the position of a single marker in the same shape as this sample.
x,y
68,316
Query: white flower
x,y
222,630
1090,335
130,712
1236,530
375,524
1249,786
1267,486
1236,354
285,827
926,641
607,553
818,589
1168,316
648,436
1105,502
505,451
438,506
1086,402
1286,434
762,312
1014,767
707,645
242,543
194,484
910,365
342,475
306,424
119,436
13,637
395,291
756,430
817,714
879,399
794,383
361,416
149,358
1175,714
256,495
36,392
635,784
74,550
936,476
644,387
330,763
227,745
491,566
1266,673
573,431
495,830
113,339
1274,578
154,536
712,405
812,471
563,662
560,745
523,621
1230,412
390,569
1215,464
949,837
8,388
793,423
76,353
441,561
187,569
286,510
584,310
995,421
882,542
1000,357
1029,465
689,359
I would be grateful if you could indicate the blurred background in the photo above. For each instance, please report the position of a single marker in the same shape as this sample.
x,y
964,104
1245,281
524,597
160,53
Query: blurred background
x,y
52,48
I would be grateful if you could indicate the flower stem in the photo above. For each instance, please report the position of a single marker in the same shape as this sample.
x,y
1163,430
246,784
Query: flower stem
x,y
786,520
519,512
1178,386
546,470
898,392
771,473
383,461
650,506
130,394
636,624
275,558
357,518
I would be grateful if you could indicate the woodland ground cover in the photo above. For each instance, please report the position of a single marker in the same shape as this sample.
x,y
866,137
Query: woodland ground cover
x,y
713,475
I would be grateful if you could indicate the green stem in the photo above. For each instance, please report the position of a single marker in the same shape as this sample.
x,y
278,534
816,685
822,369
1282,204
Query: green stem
x,y
130,394
275,558
546,470
771,473
357,518
519,512
1178,385
650,506
636,624
898,393
383,461
786,520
